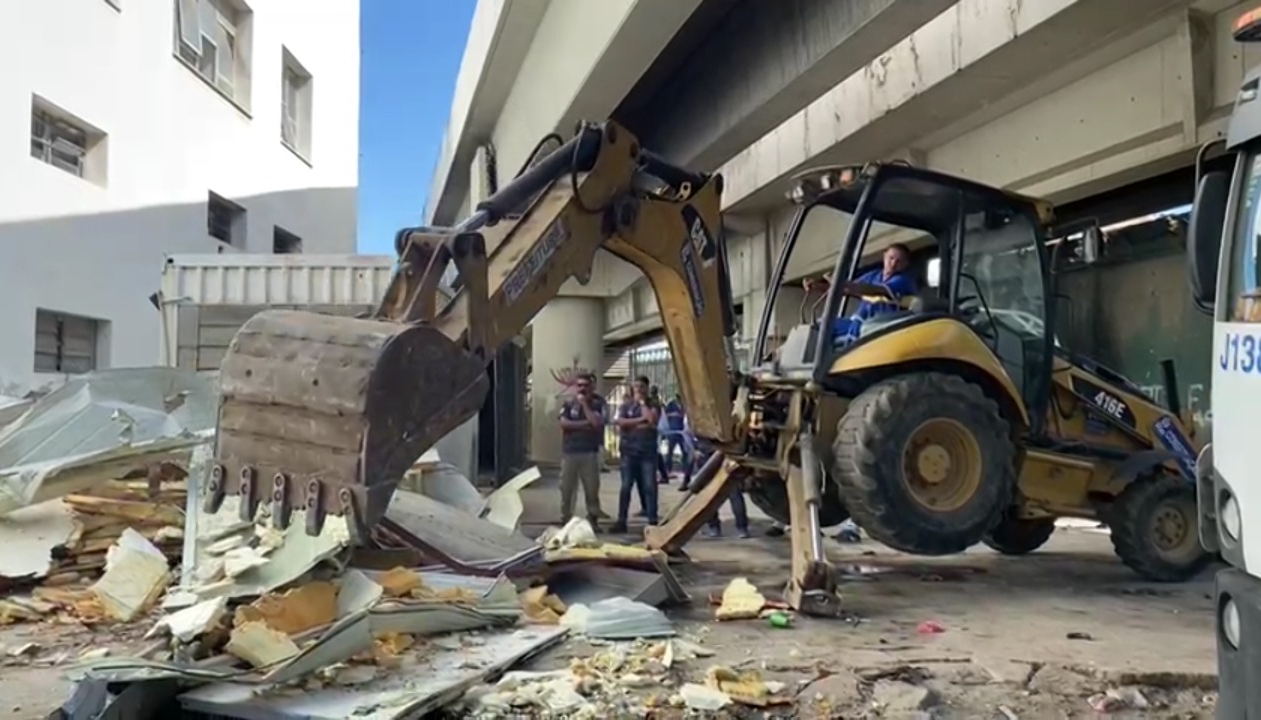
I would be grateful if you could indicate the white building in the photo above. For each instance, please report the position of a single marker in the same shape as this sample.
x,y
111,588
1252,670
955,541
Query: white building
x,y
154,127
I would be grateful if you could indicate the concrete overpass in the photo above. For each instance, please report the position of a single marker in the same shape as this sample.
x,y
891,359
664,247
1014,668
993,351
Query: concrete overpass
x,y
1069,99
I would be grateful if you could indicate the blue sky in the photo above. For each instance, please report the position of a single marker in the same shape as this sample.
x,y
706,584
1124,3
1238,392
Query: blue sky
x,y
411,53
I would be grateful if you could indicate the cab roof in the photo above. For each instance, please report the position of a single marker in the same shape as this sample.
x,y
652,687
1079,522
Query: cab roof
x,y
909,196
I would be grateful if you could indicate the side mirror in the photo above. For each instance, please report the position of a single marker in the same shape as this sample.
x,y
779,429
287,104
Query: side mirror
x,y
1204,237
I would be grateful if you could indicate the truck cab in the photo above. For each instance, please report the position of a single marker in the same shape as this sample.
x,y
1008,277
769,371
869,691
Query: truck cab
x,y
1224,268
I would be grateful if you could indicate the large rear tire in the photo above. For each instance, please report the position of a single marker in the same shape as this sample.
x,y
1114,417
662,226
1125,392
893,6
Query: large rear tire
x,y
1155,529
925,463
1020,536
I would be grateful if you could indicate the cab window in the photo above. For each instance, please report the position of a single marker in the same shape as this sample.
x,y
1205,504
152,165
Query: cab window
x,y
1243,281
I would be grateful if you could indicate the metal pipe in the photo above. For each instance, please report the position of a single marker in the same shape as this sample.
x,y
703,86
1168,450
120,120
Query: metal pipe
x,y
812,487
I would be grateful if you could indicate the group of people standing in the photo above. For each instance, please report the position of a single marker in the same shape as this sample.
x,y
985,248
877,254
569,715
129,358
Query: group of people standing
x,y
643,423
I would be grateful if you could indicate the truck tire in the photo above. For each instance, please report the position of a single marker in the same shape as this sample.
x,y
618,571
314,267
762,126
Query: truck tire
x,y
925,463
1020,536
770,495
1155,529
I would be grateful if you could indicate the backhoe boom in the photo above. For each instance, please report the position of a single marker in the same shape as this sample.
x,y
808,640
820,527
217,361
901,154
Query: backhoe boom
x,y
324,414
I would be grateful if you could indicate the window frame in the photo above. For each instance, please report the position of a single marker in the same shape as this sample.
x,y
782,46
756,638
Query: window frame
x,y
224,42
237,217
61,358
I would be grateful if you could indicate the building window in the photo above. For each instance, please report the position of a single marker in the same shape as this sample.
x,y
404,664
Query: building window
x,y
284,242
295,106
66,142
212,38
65,343
225,221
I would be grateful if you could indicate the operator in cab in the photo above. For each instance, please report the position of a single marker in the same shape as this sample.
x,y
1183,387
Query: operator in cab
x,y
892,282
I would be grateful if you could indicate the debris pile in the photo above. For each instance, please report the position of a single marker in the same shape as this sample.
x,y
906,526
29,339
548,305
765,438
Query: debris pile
x,y
68,540
246,619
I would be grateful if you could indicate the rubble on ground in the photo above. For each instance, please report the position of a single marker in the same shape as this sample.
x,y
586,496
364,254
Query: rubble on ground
x,y
249,619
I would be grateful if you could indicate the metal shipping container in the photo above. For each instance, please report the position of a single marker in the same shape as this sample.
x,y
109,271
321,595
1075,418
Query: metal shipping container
x,y
205,298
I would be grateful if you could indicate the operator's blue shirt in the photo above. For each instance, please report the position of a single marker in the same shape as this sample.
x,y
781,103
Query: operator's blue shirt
x,y
899,285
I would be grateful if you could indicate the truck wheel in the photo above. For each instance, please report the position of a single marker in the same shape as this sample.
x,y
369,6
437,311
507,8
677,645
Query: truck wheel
x,y
770,495
925,463
1155,529
1020,536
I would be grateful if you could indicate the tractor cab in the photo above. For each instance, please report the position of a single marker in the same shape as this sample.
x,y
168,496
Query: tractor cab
x,y
974,286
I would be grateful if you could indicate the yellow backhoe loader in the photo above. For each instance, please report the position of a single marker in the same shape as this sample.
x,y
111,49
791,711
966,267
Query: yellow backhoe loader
x,y
954,422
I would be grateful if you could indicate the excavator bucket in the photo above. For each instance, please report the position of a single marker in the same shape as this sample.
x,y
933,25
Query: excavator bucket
x,y
325,413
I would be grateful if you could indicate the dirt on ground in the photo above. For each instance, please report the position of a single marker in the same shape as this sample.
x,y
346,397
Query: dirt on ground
x,y
1067,632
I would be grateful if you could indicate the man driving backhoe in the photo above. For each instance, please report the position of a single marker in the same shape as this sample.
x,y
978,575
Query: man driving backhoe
x,y
882,291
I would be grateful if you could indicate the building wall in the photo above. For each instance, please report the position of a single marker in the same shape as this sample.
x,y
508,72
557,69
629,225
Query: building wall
x,y
165,139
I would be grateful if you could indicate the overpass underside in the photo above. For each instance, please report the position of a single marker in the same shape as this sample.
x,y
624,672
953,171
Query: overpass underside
x,y
1067,99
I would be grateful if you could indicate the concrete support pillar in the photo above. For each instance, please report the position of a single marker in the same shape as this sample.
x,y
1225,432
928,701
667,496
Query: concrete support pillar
x,y
568,337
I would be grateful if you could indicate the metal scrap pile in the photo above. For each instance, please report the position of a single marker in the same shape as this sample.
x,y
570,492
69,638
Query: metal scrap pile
x,y
243,620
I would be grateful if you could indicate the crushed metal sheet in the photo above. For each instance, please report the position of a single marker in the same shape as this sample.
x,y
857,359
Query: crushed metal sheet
x,y
187,624
443,482
281,558
100,426
504,506
438,677
453,533
351,635
591,583
31,535
618,618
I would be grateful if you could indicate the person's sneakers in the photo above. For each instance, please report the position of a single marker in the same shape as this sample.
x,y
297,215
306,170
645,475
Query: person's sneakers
x,y
618,528
595,524
775,531
711,531
743,533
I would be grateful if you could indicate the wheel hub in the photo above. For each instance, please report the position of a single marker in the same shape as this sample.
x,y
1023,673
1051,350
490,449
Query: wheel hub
x,y
1169,528
941,465
933,464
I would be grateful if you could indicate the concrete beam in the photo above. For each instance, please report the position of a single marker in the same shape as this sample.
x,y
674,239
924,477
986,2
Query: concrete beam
x,y
764,62
584,58
498,41
974,54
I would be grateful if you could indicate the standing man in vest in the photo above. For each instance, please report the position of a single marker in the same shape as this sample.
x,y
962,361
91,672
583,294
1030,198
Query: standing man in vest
x,y
637,423
675,420
582,436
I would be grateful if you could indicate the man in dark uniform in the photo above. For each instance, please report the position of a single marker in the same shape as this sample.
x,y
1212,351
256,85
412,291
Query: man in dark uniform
x,y
582,436
637,423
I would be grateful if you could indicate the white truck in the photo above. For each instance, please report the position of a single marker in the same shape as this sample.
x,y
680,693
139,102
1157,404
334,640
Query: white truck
x,y
1224,268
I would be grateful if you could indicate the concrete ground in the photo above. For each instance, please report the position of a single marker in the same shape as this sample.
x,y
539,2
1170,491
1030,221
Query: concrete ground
x,y
1042,636
1031,637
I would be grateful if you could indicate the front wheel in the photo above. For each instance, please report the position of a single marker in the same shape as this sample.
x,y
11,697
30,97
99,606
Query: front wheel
x,y
1155,529
925,463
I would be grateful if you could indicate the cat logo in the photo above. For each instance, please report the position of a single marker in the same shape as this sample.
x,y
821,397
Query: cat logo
x,y
702,242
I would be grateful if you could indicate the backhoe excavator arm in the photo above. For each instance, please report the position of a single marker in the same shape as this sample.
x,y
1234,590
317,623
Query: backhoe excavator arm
x,y
324,414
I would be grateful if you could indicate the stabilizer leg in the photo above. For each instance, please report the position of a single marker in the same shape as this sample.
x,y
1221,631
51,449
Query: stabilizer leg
x,y
812,587
710,489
